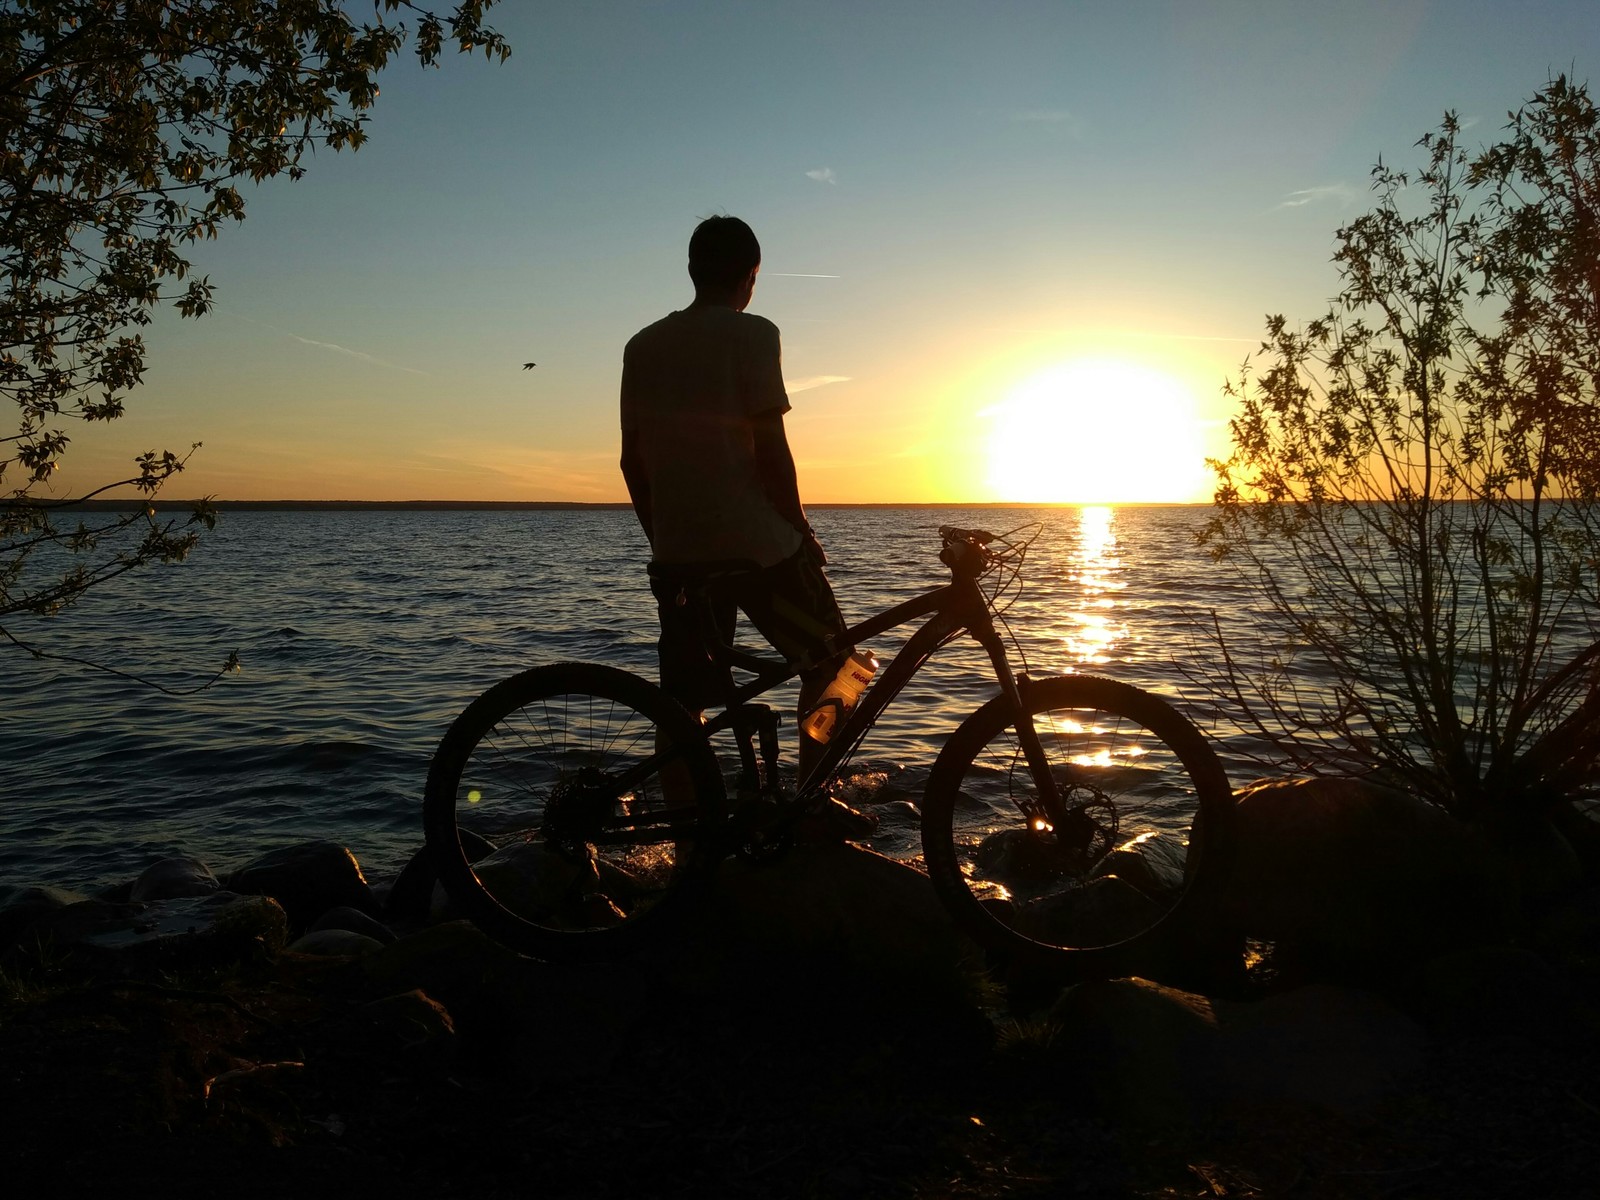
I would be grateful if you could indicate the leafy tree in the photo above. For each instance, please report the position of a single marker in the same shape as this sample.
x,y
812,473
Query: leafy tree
x,y
127,128
1412,484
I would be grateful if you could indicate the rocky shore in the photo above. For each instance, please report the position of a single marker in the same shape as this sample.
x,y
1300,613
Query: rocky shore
x,y
1415,1015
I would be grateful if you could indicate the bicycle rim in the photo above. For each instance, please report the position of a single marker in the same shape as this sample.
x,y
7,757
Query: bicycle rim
x,y
1145,803
599,797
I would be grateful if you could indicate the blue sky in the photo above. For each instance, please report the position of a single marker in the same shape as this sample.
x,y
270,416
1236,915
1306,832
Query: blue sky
x,y
952,200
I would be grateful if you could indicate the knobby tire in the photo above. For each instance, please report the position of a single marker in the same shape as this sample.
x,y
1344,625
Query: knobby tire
x,y
583,867
1142,771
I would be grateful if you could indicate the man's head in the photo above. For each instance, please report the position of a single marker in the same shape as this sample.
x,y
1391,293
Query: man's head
x,y
723,259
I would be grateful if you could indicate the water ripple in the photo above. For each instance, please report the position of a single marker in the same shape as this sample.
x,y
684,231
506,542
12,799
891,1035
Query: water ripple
x,y
355,664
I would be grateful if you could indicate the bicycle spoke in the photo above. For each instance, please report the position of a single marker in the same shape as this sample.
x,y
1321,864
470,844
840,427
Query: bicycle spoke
x,y
1113,860
571,785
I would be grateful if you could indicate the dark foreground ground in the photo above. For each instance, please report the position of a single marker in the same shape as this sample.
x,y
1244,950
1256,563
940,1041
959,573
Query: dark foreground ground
x,y
270,1078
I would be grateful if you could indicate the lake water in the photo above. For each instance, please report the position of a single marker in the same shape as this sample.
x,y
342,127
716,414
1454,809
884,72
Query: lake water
x,y
363,632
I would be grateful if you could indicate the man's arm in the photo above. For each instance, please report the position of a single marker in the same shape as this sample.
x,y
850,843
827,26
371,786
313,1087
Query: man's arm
x,y
633,474
775,465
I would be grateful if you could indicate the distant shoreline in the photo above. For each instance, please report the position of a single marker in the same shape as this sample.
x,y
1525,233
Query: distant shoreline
x,y
105,505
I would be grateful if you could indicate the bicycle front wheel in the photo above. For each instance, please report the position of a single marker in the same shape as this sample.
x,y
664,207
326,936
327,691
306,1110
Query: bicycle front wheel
x,y
599,796
1144,808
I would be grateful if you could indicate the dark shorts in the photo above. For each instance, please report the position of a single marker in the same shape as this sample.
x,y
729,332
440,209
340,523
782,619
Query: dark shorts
x,y
791,604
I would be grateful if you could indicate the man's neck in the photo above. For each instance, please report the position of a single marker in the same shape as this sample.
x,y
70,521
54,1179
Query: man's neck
x,y
714,300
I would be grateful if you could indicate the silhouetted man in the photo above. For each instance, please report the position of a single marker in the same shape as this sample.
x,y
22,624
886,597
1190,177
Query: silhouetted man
x,y
712,479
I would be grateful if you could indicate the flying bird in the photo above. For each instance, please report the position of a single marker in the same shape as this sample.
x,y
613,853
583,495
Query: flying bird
x,y
529,366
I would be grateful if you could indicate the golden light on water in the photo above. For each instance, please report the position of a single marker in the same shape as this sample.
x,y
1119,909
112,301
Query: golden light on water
x,y
1097,431
1095,567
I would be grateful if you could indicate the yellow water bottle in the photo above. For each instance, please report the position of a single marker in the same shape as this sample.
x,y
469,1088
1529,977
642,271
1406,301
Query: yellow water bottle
x,y
840,696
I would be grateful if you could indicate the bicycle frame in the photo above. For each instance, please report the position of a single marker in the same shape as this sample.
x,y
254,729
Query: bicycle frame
x,y
956,607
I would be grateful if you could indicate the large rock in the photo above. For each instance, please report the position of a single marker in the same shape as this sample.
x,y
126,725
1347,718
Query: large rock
x,y
851,905
307,879
334,943
453,961
220,924
354,920
215,927
532,881
1537,859
531,1020
411,896
1157,1056
1152,862
1346,875
411,1029
1499,992
1106,910
41,921
174,879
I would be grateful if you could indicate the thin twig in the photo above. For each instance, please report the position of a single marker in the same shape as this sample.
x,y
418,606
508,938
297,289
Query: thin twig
x,y
229,667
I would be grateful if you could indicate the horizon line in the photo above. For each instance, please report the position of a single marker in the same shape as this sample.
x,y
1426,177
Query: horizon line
x,y
162,504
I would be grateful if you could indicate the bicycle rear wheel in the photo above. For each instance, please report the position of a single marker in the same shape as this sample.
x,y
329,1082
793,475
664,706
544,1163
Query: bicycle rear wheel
x,y
600,797
1146,811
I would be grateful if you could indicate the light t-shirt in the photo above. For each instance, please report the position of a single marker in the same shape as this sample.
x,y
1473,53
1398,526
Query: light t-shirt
x,y
692,385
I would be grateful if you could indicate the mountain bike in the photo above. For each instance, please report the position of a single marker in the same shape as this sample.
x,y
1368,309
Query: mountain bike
x,y
571,809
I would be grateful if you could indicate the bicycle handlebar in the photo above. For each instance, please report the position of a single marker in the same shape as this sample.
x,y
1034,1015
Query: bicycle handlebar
x,y
966,551
976,537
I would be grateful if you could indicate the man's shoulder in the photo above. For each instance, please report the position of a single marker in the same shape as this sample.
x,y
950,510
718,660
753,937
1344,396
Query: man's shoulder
x,y
695,324
757,324
654,330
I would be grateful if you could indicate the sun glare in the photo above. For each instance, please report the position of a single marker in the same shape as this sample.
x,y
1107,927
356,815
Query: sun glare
x,y
1097,432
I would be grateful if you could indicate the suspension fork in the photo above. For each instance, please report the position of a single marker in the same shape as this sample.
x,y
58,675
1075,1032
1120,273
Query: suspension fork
x,y
1046,806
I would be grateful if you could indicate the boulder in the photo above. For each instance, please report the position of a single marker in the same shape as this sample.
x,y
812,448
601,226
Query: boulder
x,y
355,921
1152,862
215,927
411,1029
533,881
1134,1050
411,896
1499,991
335,943
307,879
1020,857
536,1021
1579,824
173,879
452,961
1538,860
1158,1056
45,920
841,902
1106,910
1345,875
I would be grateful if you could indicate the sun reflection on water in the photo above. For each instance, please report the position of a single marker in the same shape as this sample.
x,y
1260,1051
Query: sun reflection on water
x,y
1095,569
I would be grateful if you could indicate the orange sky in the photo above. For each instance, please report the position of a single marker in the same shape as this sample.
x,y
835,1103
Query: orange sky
x,y
1014,252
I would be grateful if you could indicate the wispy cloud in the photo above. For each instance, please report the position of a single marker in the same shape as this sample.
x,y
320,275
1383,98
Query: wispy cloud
x,y
823,175
331,346
1337,192
808,382
1061,117
362,355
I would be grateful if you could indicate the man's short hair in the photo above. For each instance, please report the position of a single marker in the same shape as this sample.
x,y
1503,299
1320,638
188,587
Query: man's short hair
x,y
722,252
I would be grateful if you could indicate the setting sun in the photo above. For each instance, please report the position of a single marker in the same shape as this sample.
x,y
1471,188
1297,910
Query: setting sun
x,y
1097,432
